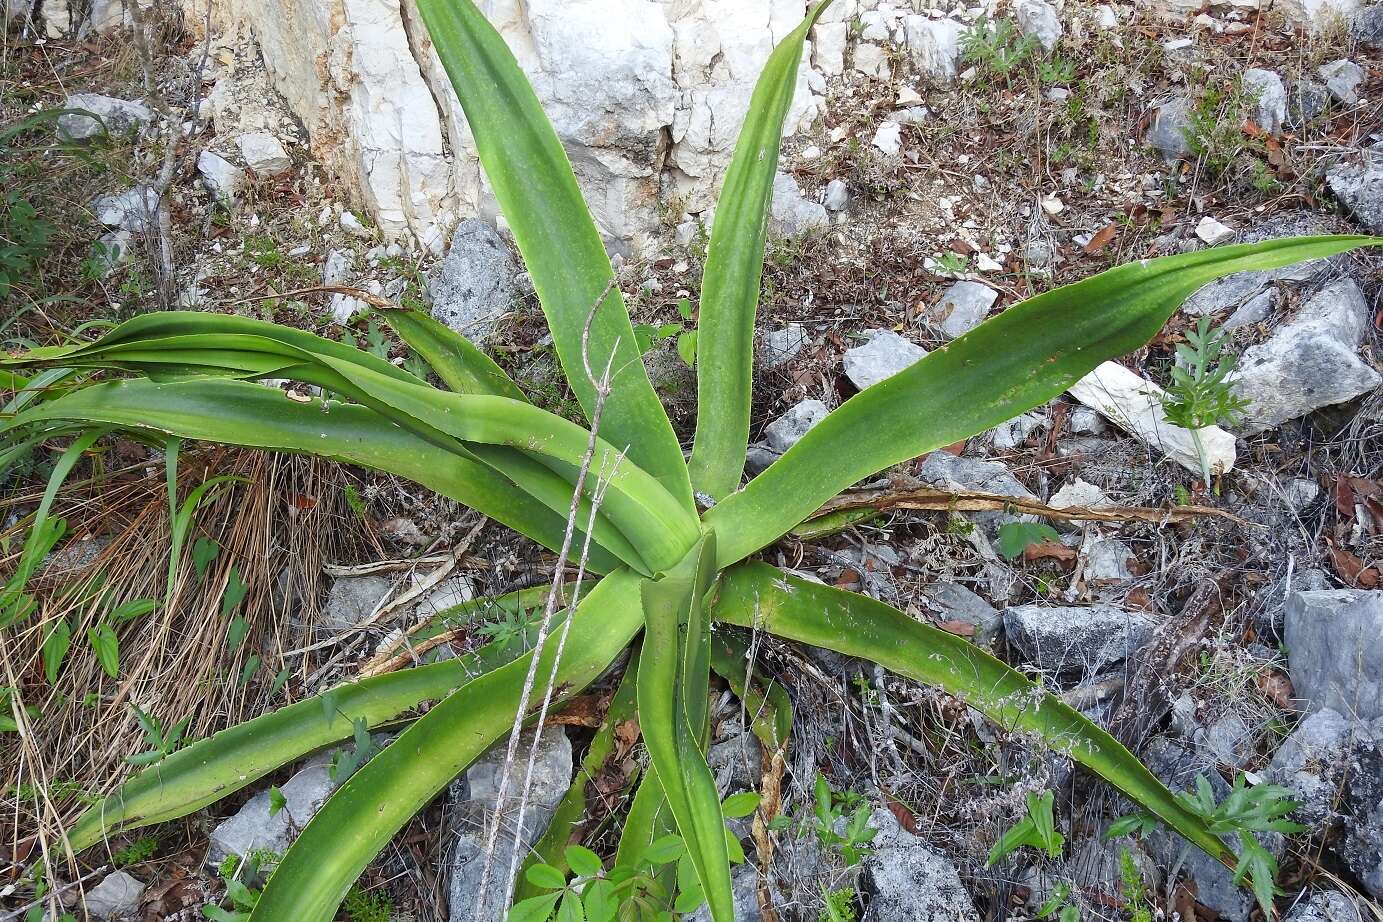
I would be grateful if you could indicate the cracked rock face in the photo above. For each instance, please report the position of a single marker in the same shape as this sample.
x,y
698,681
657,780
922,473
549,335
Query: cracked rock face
x,y
646,95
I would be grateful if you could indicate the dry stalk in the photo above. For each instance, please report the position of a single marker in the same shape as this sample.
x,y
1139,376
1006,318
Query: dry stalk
x,y
602,391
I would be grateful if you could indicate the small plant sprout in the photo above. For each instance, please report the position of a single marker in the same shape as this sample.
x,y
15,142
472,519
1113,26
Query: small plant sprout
x,y
1201,393
1037,828
841,821
1017,537
161,743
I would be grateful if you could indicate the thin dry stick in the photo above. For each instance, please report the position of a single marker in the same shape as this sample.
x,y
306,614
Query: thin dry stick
x,y
549,609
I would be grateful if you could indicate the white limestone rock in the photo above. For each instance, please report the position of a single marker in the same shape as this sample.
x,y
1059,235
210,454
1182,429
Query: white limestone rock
x,y
111,115
1134,405
264,154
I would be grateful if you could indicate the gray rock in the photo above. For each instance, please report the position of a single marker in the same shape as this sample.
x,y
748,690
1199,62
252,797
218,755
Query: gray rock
x,y
1335,650
953,602
1326,905
1074,639
779,347
1311,762
1171,126
1360,189
263,153
883,356
1342,79
351,600
909,881
222,178
1107,561
1306,102
1008,436
1362,847
1367,27
935,45
793,214
946,471
1310,362
1078,492
1255,310
473,800
115,249
962,307
475,285
1040,20
116,116
1226,740
788,429
837,195
758,459
118,895
134,210
744,884
252,828
337,268
1270,110
736,762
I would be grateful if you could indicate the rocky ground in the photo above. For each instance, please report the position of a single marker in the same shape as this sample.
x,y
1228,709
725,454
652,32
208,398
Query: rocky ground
x,y
958,161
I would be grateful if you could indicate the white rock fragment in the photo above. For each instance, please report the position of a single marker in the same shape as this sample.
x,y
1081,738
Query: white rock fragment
x,y
788,429
118,895
1342,79
934,44
222,178
1040,20
828,47
1080,493
792,212
1052,205
837,195
1135,405
1213,232
1106,18
116,116
962,307
986,263
263,153
872,61
883,356
908,97
134,210
354,226
888,138
1270,109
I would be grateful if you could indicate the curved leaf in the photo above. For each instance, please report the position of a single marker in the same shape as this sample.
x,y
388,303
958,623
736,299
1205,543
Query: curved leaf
x,y
534,184
259,417
220,765
378,800
763,597
734,269
674,672
458,362
1010,363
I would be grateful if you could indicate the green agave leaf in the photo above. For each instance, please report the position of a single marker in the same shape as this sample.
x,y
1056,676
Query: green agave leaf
x,y
1010,363
220,765
246,414
536,189
734,269
647,821
674,673
570,815
366,812
457,360
762,597
766,702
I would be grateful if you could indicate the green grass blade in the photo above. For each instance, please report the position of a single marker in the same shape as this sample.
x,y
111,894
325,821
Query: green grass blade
x,y
734,269
235,758
456,360
674,672
569,819
1010,363
361,817
760,596
537,191
259,417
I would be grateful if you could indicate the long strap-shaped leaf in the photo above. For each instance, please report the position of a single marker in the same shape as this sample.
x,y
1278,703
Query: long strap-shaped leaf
x,y
760,596
254,416
457,361
734,269
1023,357
537,191
235,758
674,672
361,817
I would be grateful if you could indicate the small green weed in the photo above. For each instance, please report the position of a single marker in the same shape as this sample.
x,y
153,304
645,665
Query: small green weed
x,y
1037,828
1017,537
1200,394
139,850
839,905
364,906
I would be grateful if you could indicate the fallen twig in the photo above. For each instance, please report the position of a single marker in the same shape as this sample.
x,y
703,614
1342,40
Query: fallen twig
x,y
932,500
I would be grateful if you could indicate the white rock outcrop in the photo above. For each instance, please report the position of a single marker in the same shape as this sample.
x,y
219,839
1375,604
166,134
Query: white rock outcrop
x,y
646,95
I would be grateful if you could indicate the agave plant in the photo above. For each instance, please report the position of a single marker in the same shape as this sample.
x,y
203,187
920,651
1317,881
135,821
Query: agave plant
x,y
672,540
